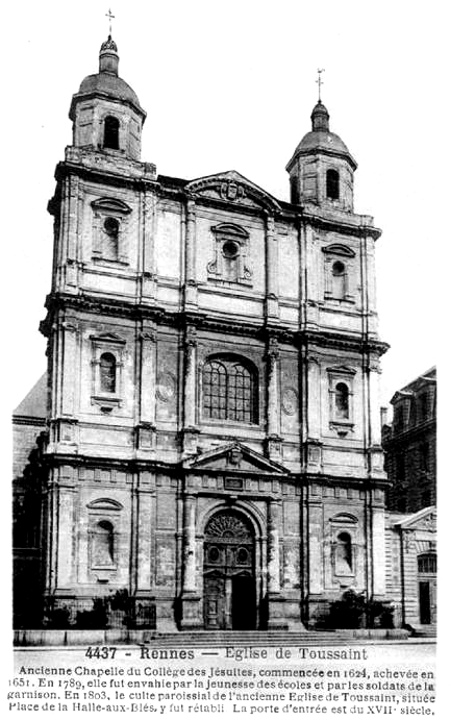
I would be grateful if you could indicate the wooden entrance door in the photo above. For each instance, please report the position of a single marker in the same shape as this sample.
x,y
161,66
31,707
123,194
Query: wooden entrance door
x,y
425,602
427,588
229,576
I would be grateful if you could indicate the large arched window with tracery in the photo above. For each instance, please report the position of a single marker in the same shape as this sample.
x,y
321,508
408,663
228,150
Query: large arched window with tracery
x,y
229,391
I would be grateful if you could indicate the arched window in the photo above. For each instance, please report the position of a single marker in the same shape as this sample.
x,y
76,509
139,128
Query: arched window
x,y
111,133
339,280
341,401
108,373
103,544
333,184
229,391
427,563
343,556
111,239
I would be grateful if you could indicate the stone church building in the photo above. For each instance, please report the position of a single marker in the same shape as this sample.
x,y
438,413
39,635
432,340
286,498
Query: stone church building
x,y
213,363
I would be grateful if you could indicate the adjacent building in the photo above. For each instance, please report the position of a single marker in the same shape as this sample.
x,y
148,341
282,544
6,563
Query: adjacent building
x,y
213,446
410,445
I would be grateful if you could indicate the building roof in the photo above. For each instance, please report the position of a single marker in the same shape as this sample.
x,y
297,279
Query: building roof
x,y
109,85
107,82
427,378
34,404
321,139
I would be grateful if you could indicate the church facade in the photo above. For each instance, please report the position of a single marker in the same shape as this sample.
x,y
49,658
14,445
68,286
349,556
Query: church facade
x,y
213,364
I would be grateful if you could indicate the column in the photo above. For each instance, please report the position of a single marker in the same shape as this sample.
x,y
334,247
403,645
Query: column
x,y
311,421
190,431
148,286
378,546
146,428
69,366
276,609
148,363
274,447
190,259
272,274
64,428
273,546
189,544
315,547
65,542
72,232
191,607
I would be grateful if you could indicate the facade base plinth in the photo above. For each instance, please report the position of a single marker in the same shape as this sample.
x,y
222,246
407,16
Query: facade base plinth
x,y
276,612
191,616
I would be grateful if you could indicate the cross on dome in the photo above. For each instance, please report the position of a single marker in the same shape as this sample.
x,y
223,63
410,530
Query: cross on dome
x,y
110,17
319,83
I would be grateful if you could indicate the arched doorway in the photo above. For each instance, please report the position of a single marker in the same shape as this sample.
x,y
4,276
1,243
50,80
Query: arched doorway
x,y
229,572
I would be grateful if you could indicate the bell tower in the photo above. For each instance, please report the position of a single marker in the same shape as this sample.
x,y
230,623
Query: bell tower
x,y
106,114
322,168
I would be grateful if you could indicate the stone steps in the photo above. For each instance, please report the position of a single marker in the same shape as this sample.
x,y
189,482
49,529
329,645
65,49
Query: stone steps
x,y
271,638
205,639
426,631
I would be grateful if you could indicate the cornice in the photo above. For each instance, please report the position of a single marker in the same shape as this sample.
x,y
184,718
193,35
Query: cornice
x,y
132,465
59,302
178,189
102,176
419,432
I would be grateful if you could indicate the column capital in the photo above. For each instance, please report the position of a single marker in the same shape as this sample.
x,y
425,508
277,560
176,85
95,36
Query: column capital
x,y
272,350
191,205
149,334
190,337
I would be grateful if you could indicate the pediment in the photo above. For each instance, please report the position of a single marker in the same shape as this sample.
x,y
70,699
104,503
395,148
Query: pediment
x,y
425,519
235,457
111,205
233,187
341,370
105,504
108,338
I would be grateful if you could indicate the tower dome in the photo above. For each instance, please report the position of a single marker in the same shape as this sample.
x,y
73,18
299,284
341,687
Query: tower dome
x,y
321,168
106,112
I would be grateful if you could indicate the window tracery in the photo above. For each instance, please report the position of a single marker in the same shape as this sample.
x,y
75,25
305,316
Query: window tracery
x,y
229,391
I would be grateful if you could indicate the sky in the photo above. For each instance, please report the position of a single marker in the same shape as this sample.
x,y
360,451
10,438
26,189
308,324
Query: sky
x,y
231,86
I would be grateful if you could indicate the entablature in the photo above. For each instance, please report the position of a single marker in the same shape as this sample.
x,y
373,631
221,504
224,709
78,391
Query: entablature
x,y
57,302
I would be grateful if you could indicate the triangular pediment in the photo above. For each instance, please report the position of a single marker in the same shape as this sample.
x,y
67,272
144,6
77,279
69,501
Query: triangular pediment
x,y
425,519
233,187
234,457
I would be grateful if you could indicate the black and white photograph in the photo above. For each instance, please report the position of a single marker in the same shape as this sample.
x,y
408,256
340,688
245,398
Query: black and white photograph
x,y
224,232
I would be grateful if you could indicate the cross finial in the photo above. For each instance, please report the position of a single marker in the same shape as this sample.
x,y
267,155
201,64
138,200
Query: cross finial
x,y
110,17
319,82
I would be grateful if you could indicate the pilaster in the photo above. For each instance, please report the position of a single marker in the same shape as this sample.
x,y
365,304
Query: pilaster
x,y
146,429
190,598
190,257
190,431
148,280
273,439
272,271
276,619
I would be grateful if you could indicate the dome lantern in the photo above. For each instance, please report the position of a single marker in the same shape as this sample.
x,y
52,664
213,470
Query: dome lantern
x,y
105,112
322,168
108,57
320,118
